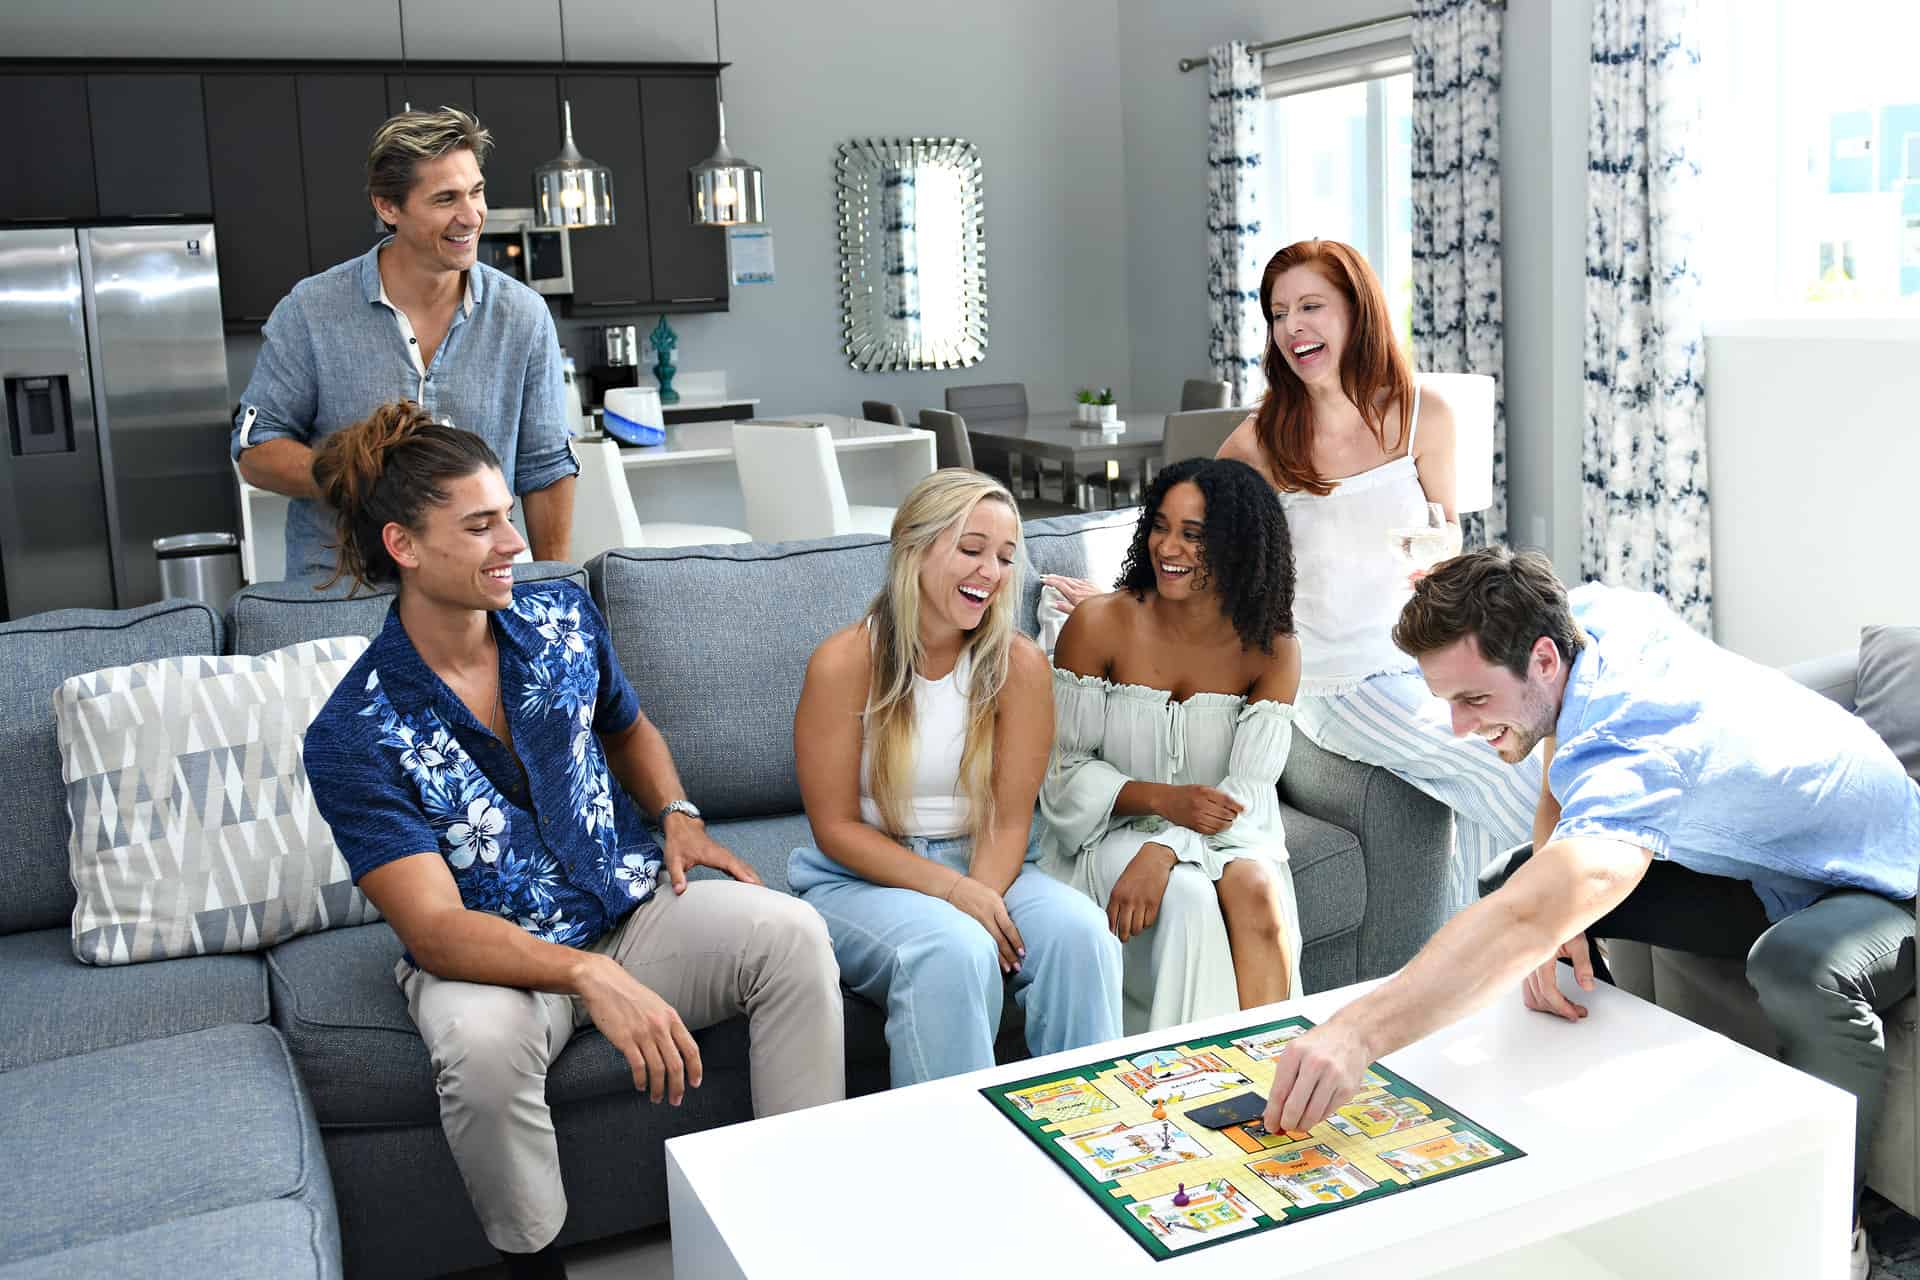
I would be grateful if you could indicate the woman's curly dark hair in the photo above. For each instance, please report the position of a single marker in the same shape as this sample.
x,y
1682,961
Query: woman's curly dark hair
x,y
1245,550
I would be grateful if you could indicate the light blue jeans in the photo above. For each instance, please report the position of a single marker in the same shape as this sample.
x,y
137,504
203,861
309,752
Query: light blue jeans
x,y
936,971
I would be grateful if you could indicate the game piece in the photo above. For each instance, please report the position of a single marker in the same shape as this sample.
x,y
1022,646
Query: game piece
x,y
1390,1137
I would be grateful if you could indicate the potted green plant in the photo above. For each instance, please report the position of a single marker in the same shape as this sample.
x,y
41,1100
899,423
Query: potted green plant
x,y
1086,408
1105,408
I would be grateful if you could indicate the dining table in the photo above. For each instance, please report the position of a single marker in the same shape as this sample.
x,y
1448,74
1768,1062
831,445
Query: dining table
x,y
1113,457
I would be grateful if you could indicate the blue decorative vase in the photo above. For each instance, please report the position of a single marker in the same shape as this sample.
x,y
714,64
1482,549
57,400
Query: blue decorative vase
x,y
663,340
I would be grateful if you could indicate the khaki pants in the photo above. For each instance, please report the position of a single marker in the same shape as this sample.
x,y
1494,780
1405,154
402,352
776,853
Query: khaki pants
x,y
718,950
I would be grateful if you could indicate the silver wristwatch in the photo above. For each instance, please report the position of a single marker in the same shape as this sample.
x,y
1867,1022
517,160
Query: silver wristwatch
x,y
676,806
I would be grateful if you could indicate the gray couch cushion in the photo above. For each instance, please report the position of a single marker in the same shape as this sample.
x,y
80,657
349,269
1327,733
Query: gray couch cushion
x,y
272,1238
1329,875
716,642
1887,695
52,1006
335,1000
1092,546
764,843
37,654
273,615
106,1143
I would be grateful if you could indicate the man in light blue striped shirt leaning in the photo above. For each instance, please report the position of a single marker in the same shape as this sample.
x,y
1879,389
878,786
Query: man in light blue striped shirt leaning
x,y
1692,799
416,317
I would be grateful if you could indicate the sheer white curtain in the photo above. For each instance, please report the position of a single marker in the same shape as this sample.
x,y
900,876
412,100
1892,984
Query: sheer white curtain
x,y
1647,516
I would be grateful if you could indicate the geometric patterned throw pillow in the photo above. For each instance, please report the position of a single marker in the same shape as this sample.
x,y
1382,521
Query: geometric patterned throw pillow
x,y
194,831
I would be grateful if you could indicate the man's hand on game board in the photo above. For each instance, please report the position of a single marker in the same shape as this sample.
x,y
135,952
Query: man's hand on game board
x,y
1314,1074
1134,904
1541,991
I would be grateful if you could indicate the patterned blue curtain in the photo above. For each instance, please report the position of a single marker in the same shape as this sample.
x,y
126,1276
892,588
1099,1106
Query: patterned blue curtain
x,y
1644,460
1457,324
1239,329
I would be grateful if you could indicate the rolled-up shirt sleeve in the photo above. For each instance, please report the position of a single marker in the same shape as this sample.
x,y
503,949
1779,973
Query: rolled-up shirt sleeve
x,y
282,396
1613,790
616,706
373,811
542,456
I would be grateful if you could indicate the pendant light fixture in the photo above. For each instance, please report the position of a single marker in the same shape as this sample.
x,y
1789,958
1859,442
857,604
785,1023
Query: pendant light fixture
x,y
725,189
406,94
570,190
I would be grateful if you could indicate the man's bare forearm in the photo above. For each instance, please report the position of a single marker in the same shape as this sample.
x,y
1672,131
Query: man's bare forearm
x,y
462,945
280,466
1492,945
550,520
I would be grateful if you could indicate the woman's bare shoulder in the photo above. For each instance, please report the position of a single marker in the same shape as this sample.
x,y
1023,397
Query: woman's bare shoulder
x,y
846,655
1095,632
1243,444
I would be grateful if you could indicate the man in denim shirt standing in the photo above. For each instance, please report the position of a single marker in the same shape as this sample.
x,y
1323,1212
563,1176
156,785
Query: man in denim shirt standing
x,y
416,317
1692,799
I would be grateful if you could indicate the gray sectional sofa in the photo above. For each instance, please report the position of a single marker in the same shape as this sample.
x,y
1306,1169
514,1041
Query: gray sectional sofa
x,y
716,641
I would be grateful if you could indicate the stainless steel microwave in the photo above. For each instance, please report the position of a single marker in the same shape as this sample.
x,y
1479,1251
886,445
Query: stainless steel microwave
x,y
539,257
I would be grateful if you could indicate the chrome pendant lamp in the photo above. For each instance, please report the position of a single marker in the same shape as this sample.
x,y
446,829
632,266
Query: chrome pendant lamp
x,y
725,189
570,190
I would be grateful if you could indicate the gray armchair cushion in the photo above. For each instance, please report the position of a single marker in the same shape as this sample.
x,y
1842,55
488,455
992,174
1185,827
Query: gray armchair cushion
x,y
716,642
37,654
163,1131
273,615
52,1006
1090,546
1887,695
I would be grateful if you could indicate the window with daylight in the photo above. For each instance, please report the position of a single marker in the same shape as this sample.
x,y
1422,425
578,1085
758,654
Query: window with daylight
x,y
1814,161
1338,143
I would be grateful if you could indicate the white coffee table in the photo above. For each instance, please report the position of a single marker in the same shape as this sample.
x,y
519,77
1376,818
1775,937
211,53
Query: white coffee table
x,y
1655,1149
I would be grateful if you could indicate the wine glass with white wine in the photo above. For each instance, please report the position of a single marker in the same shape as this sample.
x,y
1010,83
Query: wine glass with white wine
x,y
1421,547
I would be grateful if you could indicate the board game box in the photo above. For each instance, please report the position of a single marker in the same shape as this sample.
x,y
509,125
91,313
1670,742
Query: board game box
x,y
1122,1129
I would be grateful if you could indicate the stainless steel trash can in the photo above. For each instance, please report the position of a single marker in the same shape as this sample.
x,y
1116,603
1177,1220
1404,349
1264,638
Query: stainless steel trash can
x,y
199,566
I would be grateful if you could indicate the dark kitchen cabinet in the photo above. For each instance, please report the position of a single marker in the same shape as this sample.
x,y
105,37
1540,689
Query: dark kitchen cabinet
x,y
612,269
259,216
523,114
429,91
46,171
681,123
149,145
338,117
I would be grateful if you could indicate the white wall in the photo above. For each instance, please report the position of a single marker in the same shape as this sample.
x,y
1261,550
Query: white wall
x,y
1814,462
1165,122
1543,174
1031,84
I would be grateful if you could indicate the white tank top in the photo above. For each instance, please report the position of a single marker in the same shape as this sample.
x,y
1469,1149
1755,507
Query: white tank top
x,y
935,804
1349,586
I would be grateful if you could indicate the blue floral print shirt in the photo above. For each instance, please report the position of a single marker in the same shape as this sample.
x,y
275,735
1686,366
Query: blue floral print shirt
x,y
399,766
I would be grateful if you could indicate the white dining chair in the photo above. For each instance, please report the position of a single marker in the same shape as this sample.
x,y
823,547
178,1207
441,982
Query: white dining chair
x,y
1471,396
604,516
790,479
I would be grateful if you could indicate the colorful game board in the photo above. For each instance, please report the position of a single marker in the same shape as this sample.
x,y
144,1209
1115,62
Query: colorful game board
x,y
1120,1128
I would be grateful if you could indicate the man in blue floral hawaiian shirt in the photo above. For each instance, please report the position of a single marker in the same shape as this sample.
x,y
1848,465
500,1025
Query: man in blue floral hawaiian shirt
x,y
479,767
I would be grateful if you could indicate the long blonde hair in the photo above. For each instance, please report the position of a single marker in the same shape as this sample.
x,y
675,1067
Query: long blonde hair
x,y
936,508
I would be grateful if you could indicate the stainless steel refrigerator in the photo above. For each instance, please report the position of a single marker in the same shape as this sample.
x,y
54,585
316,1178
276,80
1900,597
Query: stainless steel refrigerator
x,y
117,411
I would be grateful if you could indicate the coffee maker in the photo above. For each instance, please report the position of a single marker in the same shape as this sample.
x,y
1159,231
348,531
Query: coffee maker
x,y
616,359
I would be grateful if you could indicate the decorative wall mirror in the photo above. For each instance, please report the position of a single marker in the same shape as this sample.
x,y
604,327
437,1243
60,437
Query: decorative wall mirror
x,y
913,253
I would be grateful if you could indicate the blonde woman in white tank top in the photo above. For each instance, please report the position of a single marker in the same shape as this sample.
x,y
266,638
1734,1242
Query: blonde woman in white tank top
x,y
1345,478
920,739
